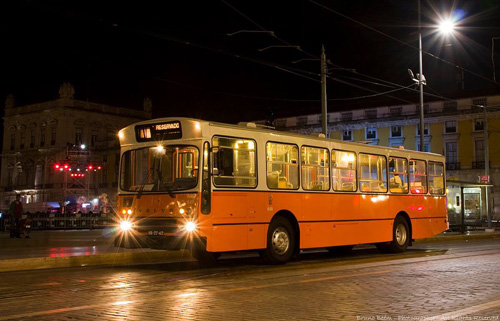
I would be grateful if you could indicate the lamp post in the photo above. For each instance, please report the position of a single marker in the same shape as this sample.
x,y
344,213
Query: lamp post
x,y
420,81
445,27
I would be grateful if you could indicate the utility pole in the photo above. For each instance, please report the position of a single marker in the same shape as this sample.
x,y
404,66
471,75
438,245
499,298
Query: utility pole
x,y
324,118
487,167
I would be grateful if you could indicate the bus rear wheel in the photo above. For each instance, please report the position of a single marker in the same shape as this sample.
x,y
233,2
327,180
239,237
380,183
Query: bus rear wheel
x,y
400,237
280,242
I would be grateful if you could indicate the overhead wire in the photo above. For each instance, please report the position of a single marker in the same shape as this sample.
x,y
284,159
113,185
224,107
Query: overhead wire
x,y
328,62
404,43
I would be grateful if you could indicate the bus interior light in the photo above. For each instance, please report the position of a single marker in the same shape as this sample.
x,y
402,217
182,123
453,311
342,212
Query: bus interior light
x,y
129,212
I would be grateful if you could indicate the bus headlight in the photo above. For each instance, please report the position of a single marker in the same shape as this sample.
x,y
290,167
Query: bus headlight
x,y
125,226
190,226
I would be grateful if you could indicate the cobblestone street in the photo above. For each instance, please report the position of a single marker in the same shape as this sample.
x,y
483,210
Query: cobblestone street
x,y
433,281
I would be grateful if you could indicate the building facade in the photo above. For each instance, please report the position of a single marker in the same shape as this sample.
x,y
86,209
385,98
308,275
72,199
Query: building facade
x,y
63,155
452,128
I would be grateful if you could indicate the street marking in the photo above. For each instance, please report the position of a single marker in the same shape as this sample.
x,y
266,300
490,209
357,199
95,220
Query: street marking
x,y
467,311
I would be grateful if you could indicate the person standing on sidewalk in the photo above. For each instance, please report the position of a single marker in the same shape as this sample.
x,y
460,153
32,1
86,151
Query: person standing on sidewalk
x,y
16,214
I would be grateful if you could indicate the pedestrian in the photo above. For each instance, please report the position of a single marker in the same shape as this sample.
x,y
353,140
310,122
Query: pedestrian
x,y
16,213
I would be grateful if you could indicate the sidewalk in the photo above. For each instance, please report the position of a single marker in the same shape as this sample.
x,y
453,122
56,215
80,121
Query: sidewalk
x,y
48,249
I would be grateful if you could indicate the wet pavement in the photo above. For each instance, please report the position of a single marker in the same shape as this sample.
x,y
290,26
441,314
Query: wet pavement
x,y
439,280
47,249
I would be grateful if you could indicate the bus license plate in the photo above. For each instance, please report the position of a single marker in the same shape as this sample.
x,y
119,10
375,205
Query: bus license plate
x,y
156,233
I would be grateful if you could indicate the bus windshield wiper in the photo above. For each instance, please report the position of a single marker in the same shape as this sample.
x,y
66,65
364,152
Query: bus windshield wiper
x,y
164,184
143,185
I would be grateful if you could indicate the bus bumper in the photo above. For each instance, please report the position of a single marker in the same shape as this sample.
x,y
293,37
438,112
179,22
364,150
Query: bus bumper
x,y
184,242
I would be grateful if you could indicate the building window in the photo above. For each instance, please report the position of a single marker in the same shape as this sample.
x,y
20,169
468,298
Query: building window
x,y
42,137
21,142
78,136
371,113
53,131
32,139
426,109
478,104
451,153
93,138
346,116
110,135
396,131
450,127
450,106
12,141
426,129
396,111
478,124
479,150
347,135
371,133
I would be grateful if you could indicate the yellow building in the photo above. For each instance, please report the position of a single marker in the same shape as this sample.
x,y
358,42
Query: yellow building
x,y
452,128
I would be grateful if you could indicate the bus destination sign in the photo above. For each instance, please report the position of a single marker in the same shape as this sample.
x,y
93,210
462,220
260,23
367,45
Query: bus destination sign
x,y
159,131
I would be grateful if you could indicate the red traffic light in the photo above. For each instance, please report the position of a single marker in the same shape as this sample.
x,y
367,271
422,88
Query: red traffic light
x,y
90,167
66,166
57,166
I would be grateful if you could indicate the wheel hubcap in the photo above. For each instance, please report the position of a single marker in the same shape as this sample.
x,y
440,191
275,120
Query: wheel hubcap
x,y
280,241
401,234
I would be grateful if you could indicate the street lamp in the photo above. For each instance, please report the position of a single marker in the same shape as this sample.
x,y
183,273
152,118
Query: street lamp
x,y
446,26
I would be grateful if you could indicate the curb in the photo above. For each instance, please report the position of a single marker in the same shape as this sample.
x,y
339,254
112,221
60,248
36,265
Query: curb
x,y
465,237
40,263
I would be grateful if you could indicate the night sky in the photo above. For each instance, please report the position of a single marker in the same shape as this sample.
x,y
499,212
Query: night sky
x,y
178,53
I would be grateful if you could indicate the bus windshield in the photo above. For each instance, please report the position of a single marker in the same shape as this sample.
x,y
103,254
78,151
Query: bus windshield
x,y
160,169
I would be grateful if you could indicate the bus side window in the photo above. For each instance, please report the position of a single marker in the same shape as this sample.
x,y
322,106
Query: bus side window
x,y
234,162
343,171
315,169
436,178
282,166
373,173
398,175
418,177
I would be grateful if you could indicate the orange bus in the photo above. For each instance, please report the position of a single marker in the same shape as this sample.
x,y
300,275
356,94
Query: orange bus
x,y
213,188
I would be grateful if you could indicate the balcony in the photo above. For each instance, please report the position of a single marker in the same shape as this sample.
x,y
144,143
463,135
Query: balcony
x,y
453,166
478,165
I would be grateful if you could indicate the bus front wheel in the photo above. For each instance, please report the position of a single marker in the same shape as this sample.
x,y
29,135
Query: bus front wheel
x,y
280,242
400,237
